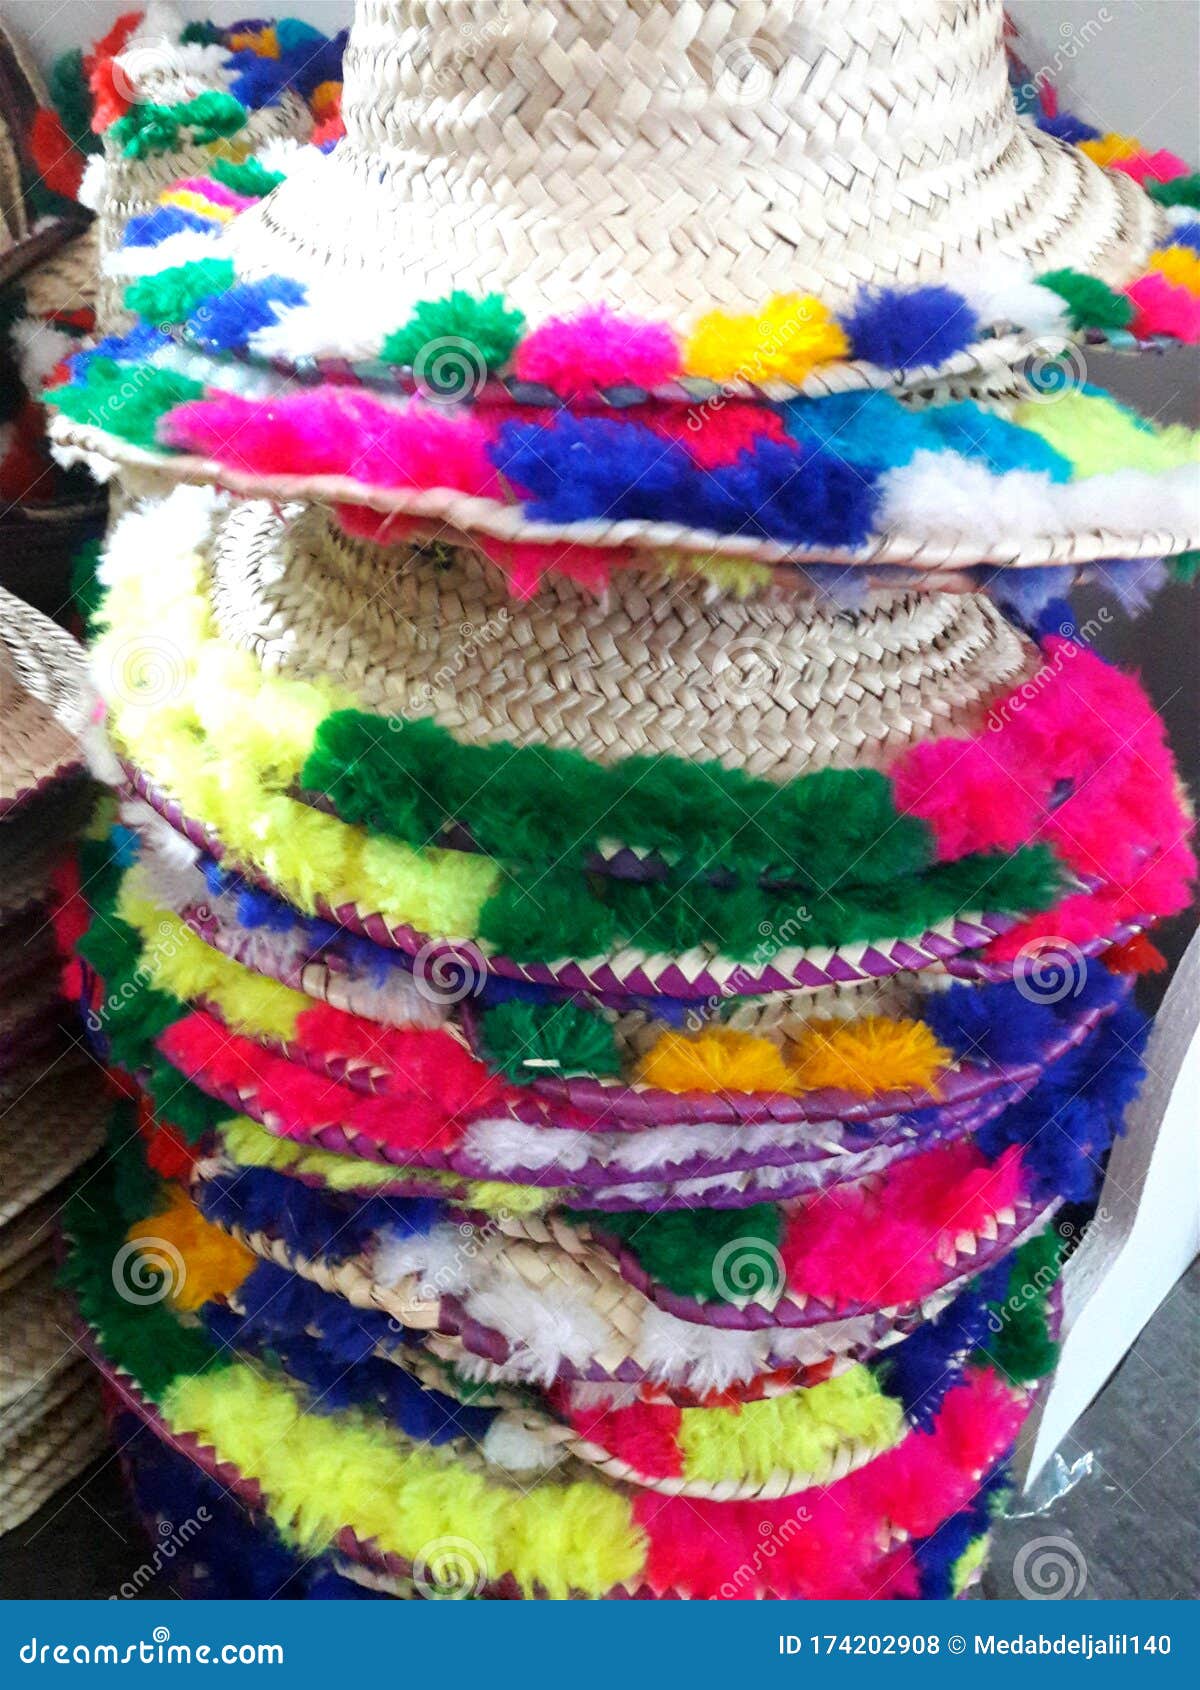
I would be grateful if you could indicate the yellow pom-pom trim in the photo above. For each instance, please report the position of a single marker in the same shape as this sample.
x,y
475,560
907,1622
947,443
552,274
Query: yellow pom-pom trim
x,y
875,1054
319,1472
798,1433
264,42
251,1146
784,342
973,1557
323,101
872,1055
232,743
1180,265
1098,435
719,1059
1110,148
189,200
199,1261
178,961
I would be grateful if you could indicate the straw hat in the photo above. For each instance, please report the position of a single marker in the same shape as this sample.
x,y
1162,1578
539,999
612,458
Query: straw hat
x,y
573,760
655,1105
159,66
669,159
532,202
28,233
44,702
53,1121
445,1461
50,1420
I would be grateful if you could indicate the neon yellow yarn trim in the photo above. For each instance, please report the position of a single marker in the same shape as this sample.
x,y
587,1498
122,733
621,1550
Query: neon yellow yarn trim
x,y
969,1562
247,1143
179,962
230,740
798,1433
1097,435
867,1056
321,1472
783,342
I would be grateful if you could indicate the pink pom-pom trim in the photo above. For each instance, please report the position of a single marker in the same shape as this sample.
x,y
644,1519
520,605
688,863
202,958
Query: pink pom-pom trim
x,y
574,355
1151,167
337,431
213,191
1163,308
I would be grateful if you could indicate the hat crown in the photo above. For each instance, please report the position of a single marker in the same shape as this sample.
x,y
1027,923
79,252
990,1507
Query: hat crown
x,y
824,117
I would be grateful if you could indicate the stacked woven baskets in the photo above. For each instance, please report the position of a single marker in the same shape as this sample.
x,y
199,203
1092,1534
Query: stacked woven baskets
x,y
616,968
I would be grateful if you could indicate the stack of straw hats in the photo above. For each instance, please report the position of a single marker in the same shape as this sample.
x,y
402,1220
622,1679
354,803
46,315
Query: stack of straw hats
x,y
47,287
620,936
55,1102
51,1097
52,1100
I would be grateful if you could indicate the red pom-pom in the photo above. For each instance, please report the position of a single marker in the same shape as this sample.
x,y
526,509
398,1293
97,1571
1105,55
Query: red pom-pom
x,y
1138,955
58,163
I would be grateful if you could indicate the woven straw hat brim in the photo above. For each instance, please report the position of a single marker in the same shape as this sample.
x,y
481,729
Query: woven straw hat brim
x,y
376,1568
934,559
550,1257
50,1423
27,1241
697,974
587,156
652,668
51,1448
45,704
39,1342
55,1123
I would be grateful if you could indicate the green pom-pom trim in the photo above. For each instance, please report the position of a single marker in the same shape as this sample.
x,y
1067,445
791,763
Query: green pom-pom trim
x,y
135,1184
1184,190
249,177
712,1255
86,591
529,1041
481,335
72,100
1091,303
202,33
172,295
566,914
1020,1345
1185,567
124,399
527,808
528,804
133,1013
144,1337
151,128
